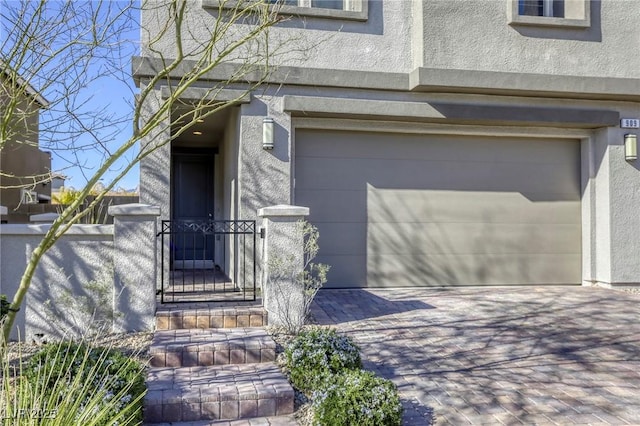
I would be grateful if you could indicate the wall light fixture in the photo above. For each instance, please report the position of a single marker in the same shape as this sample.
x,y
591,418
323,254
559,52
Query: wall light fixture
x,y
267,133
630,147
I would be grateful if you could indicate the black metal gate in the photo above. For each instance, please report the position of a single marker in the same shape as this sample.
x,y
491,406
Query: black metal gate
x,y
207,261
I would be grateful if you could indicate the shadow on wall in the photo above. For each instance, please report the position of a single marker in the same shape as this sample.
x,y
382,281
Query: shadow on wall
x,y
373,25
410,213
72,290
421,252
86,285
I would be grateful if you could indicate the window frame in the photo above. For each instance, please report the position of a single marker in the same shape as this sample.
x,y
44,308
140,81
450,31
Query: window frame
x,y
358,9
577,14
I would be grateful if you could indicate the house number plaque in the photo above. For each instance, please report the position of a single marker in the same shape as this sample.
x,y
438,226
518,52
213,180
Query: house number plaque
x,y
630,123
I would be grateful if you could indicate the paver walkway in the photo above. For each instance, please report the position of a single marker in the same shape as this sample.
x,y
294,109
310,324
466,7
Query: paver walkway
x,y
559,355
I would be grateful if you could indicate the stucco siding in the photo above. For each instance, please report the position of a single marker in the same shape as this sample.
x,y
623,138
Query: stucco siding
x,y
381,43
475,35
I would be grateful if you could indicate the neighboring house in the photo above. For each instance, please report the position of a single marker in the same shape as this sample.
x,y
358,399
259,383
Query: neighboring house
x,y
24,167
57,183
436,143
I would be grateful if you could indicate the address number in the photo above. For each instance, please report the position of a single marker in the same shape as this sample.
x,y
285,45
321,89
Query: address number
x,y
630,123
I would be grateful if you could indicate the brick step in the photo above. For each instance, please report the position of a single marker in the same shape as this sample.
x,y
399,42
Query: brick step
x,y
177,317
256,421
220,346
225,392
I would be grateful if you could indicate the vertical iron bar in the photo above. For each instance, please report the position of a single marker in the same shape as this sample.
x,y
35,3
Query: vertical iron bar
x,y
162,262
193,257
172,250
183,249
224,260
204,255
215,249
244,265
254,260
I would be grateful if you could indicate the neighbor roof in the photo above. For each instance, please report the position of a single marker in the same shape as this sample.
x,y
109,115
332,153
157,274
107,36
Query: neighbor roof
x,y
7,72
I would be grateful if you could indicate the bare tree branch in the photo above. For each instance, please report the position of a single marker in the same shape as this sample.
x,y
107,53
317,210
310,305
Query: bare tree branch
x,y
57,48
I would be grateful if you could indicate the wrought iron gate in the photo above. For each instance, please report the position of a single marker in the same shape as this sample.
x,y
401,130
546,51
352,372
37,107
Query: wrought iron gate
x,y
206,261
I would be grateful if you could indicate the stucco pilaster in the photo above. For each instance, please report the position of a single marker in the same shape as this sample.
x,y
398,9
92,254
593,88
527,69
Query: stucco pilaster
x,y
155,169
282,260
135,266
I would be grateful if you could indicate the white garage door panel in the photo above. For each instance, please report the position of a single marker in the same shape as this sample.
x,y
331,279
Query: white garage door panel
x,y
334,173
452,206
342,238
351,269
470,238
398,210
489,269
335,205
332,144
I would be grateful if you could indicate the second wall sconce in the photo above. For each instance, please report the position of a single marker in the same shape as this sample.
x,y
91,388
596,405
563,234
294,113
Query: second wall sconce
x,y
630,147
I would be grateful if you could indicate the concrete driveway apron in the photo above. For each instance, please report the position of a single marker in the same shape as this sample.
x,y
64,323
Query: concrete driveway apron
x,y
534,355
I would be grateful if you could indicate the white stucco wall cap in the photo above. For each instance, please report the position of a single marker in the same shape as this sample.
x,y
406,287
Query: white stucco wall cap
x,y
3,210
135,209
44,217
283,210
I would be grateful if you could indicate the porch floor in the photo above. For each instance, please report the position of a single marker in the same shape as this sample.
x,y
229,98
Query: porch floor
x,y
203,285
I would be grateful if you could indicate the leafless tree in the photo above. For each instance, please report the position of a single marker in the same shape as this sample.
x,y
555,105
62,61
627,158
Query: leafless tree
x,y
54,49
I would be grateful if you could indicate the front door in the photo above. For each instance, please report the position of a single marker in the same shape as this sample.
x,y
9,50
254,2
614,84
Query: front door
x,y
192,208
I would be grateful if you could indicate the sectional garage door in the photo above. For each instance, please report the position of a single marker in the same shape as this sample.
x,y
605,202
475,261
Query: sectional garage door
x,y
416,210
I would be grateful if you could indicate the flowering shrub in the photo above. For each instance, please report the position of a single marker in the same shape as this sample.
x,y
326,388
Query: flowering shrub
x,y
89,384
317,353
357,397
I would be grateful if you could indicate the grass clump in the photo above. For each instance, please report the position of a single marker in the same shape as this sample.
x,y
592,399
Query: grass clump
x,y
318,353
69,383
357,397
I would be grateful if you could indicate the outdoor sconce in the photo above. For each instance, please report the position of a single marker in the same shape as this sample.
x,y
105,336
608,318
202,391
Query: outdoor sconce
x,y
267,133
630,147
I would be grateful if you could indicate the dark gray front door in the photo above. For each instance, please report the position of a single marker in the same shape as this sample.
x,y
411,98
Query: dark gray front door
x,y
193,204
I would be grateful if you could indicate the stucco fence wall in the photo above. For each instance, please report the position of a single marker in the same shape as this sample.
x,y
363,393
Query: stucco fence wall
x,y
102,278
94,278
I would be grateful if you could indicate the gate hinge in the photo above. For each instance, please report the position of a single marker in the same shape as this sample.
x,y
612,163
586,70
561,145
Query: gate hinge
x,y
262,232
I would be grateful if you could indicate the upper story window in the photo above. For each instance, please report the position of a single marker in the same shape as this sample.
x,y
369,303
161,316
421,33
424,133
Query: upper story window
x,y
356,10
321,4
550,13
548,8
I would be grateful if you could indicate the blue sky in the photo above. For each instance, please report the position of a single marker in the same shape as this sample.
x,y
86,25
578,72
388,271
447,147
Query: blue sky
x,y
113,94
81,129
116,95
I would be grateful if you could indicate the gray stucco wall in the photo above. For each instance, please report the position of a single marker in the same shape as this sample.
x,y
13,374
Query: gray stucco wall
x,y
399,36
94,278
382,43
478,37
155,169
72,289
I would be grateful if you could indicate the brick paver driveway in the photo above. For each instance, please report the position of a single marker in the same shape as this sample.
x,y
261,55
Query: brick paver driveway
x,y
560,355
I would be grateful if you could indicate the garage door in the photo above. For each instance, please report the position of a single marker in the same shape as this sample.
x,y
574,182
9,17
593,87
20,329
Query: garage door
x,y
413,210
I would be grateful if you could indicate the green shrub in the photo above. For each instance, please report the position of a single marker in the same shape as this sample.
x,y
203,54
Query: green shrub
x,y
357,397
75,383
317,353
